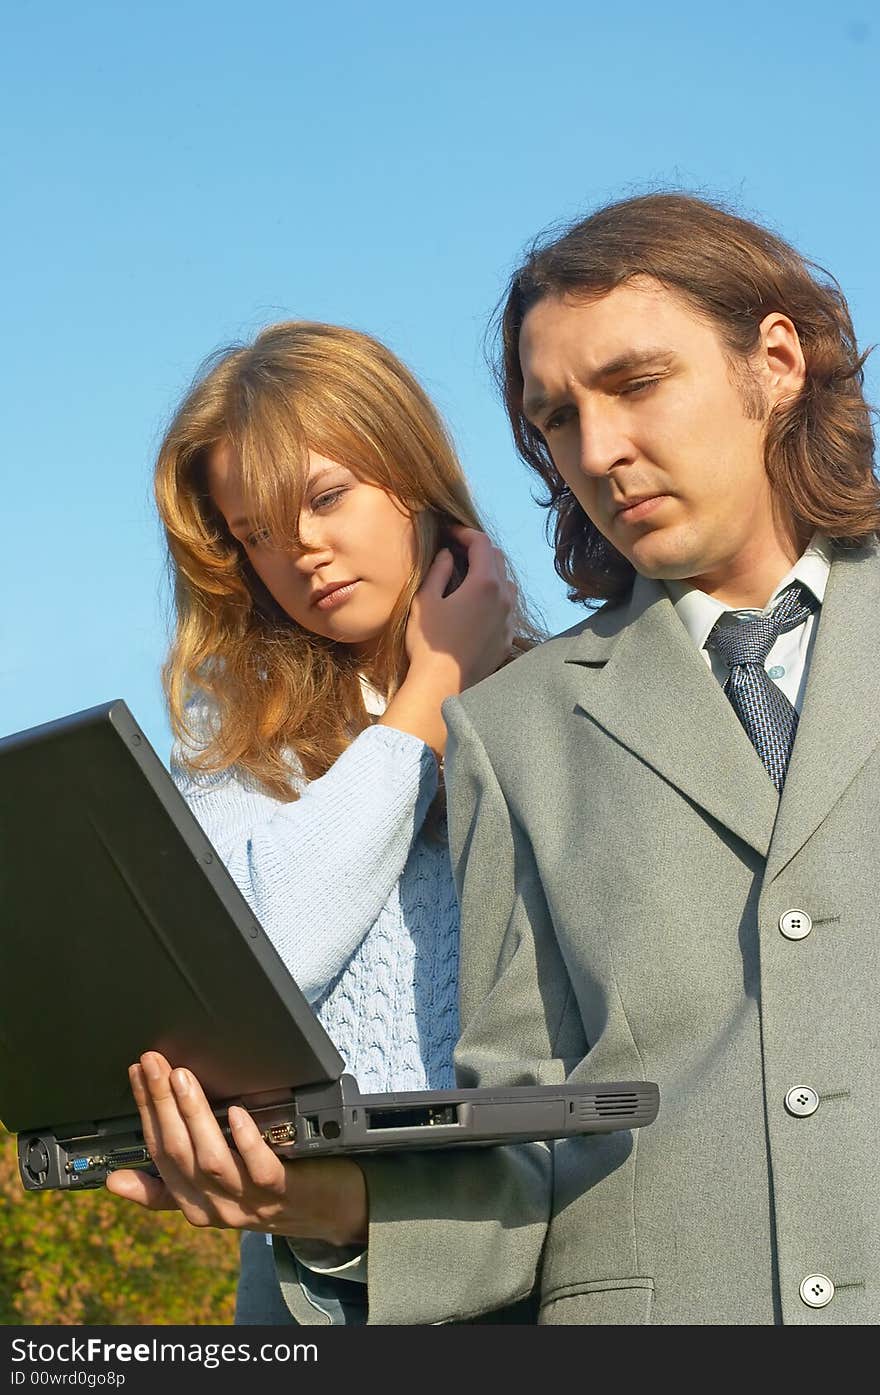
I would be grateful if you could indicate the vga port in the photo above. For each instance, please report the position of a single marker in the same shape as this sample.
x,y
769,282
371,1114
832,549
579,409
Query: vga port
x,y
281,1133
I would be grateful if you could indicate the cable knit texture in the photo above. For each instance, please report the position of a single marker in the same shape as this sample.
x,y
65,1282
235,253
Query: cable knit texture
x,y
359,905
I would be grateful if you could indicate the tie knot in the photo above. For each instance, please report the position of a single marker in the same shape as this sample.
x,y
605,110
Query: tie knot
x,y
750,641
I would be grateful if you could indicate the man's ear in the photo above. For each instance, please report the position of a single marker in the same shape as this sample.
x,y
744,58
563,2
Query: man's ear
x,y
780,358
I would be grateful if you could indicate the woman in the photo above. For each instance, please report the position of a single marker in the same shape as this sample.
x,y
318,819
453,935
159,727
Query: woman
x,y
333,587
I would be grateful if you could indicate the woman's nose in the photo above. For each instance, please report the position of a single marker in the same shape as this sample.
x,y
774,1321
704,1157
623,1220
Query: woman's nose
x,y
316,550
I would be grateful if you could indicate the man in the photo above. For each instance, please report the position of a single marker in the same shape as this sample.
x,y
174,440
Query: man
x,y
664,822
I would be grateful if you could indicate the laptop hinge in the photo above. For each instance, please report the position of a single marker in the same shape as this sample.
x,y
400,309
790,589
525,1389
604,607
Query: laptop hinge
x,y
263,1099
334,1094
316,1097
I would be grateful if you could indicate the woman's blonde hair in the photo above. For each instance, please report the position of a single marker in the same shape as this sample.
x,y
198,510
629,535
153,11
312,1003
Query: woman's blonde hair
x,y
270,686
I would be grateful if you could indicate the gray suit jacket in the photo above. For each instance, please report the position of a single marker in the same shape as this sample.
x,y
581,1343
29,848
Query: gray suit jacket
x,y
623,864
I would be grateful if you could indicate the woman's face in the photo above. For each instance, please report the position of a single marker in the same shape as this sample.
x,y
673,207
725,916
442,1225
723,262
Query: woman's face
x,y
364,541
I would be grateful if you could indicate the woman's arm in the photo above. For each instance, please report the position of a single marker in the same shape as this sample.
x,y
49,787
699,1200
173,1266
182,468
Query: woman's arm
x,y
317,872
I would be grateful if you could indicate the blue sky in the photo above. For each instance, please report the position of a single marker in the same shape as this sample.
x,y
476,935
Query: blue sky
x,y
177,175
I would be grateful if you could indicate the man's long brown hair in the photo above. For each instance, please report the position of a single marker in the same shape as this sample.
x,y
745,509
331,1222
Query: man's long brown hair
x,y
819,446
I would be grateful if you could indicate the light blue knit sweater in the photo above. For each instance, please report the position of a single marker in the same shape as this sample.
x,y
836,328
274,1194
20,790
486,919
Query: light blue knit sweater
x,y
358,903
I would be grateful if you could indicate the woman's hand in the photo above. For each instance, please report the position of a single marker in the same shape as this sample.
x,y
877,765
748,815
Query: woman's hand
x,y
469,633
453,641
251,1189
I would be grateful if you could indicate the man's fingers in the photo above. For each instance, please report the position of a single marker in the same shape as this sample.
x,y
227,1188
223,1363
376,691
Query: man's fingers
x,y
210,1182
264,1167
150,1192
169,1128
167,1137
212,1155
145,1108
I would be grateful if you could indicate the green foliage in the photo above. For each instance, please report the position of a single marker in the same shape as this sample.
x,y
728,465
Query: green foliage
x,y
93,1259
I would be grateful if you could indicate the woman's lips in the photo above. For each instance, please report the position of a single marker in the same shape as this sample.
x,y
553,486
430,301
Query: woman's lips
x,y
636,512
337,597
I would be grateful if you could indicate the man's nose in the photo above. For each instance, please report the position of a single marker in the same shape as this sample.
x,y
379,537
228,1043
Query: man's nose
x,y
602,443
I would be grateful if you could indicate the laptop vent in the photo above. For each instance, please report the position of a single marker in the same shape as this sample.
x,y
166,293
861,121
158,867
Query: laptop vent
x,y
608,1106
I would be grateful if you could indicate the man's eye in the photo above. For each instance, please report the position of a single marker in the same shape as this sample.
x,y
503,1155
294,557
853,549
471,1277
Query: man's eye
x,y
637,386
557,420
326,501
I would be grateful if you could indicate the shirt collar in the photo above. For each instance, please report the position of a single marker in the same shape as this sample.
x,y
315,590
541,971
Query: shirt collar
x,y
374,702
699,613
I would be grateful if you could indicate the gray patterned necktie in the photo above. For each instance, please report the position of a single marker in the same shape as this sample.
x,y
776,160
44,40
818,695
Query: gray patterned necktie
x,y
769,719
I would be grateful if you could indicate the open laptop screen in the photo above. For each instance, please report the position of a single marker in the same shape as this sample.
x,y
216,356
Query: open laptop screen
x,y
120,930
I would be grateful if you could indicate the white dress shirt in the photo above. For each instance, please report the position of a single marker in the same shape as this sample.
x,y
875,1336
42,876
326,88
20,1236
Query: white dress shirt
x,y
788,662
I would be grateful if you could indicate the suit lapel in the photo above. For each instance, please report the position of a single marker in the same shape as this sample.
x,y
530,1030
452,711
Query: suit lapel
x,y
838,729
646,684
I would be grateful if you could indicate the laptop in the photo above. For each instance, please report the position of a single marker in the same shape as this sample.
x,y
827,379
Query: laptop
x,y
121,931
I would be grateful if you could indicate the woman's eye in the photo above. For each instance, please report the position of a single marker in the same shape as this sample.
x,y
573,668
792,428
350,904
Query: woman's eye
x,y
258,536
325,501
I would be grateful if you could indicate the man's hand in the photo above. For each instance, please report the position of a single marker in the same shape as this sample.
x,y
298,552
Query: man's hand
x,y
251,1189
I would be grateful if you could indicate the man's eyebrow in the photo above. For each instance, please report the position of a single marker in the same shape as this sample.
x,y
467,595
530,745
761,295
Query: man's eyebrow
x,y
539,402
536,405
636,358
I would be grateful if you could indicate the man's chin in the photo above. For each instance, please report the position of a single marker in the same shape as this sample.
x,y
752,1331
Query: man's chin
x,y
660,560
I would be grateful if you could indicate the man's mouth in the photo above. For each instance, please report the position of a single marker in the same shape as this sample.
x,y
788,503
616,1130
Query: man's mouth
x,y
634,510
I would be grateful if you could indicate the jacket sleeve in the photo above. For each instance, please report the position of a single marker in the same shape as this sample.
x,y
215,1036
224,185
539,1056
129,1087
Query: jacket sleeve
x,y
459,1233
318,871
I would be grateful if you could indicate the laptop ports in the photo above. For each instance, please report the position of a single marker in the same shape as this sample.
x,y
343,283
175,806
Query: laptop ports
x,y
280,1133
127,1157
414,1116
